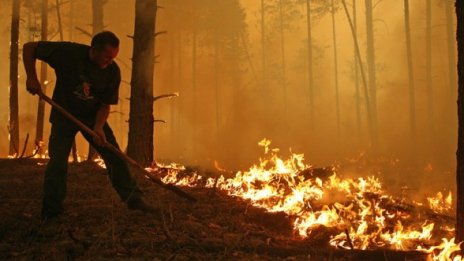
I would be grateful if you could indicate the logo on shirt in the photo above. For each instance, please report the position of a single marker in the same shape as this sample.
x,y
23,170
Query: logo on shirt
x,y
83,91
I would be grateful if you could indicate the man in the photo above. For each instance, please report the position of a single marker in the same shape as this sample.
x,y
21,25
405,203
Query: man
x,y
87,83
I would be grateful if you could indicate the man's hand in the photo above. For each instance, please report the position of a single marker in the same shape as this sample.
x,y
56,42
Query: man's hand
x,y
33,85
99,138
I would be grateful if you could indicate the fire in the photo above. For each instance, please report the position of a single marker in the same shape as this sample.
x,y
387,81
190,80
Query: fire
x,y
445,251
439,204
363,212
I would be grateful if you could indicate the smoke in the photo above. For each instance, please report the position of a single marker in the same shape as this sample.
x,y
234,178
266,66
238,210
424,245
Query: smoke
x,y
212,56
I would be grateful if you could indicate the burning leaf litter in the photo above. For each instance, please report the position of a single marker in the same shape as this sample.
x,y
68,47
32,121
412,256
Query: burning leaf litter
x,y
364,216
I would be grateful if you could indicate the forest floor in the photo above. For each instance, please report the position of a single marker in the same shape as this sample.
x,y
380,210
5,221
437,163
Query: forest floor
x,y
96,225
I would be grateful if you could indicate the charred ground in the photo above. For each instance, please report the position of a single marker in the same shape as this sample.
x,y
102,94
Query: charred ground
x,y
96,225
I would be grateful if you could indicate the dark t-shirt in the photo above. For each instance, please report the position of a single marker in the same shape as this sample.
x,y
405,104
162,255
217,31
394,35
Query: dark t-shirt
x,y
81,86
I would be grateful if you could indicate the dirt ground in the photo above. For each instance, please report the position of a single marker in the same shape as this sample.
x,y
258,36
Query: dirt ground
x,y
97,226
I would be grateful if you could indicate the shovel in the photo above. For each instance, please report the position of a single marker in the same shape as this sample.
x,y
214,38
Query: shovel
x,y
118,152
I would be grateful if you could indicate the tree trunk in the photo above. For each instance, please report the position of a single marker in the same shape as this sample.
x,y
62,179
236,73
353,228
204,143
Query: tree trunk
x,y
172,79
216,83
72,10
310,65
372,70
282,51
43,80
363,75
451,46
356,76
263,46
140,142
97,26
412,100
428,72
60,26
97,15
180,139
337,96
194,85
14,108
460,151
58,16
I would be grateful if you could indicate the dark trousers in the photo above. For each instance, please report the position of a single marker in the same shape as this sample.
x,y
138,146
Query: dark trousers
x,y
60,144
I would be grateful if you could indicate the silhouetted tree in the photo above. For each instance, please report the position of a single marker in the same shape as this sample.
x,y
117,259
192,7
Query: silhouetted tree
x,y
141,120
58,17
363,75
412,100
337,95
97,26
460,151
43,78
428,72
97,16
356,74
14,110
263,44
451,45
310,64
371,69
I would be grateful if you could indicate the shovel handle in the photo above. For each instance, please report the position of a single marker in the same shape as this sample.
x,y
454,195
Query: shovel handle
x,y
115,150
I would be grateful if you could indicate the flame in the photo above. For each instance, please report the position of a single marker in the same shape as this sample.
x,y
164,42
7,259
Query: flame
x,y
361,213
447,250
439,204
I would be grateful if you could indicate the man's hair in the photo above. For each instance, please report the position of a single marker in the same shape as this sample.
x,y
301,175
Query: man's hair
x,y
100,40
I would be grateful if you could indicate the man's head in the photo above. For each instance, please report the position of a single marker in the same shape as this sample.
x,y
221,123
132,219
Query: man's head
x,y
104,48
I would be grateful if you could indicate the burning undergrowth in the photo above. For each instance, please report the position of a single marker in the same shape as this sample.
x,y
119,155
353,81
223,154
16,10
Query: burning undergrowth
x,y
348,213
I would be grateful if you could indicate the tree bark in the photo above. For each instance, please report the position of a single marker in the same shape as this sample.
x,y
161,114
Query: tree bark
x,y
337,95
14,108
194,83
263,45
356,76
141,120
428,73
363,75
72,11
97,26
412,100
371,69
282,51
460,150
43,79
451,46
217,94
58,16
97,15
310,65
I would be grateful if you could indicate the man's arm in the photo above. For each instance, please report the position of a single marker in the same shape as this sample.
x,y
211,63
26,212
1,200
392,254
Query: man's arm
x,y
29,58
102,116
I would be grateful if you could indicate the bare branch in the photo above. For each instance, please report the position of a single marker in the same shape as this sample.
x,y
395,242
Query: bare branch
x,y
170,95
161,32
83,31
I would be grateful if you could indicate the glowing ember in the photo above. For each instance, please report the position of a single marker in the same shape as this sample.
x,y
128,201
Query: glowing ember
x,y
364,214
